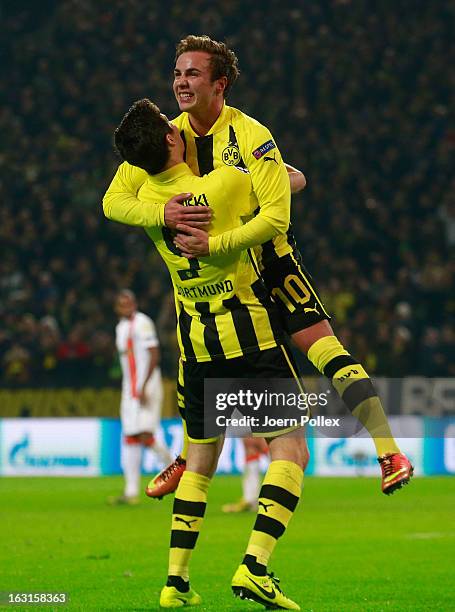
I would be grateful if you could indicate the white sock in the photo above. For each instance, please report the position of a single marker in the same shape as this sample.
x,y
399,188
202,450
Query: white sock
x,y
251,481
162,451
132,460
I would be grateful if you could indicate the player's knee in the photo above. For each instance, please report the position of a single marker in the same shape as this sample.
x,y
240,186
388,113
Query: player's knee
x,y
204,468
203,457
147,439
303,454
305,338
290,448
305,458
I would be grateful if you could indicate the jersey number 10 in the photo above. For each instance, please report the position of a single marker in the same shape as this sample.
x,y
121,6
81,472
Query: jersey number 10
x,y
294,292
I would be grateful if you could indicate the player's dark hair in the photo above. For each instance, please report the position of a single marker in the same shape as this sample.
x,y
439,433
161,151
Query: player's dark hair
x,y
126,293
140,139
223,61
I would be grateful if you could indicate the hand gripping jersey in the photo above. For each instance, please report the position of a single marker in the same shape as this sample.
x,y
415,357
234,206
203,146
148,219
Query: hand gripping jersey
x,y
222,306
236,139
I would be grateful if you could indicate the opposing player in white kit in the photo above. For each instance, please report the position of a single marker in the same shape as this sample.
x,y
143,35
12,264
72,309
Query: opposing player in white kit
x,y
142,391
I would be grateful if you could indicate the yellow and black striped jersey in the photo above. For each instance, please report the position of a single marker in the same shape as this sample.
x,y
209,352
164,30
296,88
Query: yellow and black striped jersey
x,y
121,203
236,139
223,309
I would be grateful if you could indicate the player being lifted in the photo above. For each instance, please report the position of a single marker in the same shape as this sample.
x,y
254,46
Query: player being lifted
x,y
217,135
227,328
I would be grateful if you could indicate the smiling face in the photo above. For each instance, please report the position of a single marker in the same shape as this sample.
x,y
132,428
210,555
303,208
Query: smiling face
x,y
194,89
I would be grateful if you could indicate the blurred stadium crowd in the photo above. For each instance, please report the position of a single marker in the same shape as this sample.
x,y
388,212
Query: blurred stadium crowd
x,y
356,98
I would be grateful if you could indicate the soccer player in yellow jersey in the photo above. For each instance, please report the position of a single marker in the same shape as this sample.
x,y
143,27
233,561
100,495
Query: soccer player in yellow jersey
x,y
217,135
227,328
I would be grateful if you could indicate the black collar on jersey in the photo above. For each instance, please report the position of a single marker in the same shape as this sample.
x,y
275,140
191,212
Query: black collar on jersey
x,y
223,119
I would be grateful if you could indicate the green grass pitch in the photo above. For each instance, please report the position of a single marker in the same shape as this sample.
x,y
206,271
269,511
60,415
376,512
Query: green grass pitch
x,y
347,548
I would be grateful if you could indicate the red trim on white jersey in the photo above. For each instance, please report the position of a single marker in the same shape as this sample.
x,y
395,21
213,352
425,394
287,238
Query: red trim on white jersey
x,y
132,439
132,360
252,457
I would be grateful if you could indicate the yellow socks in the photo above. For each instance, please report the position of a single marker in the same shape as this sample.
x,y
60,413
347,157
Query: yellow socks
x,y
278,498
355,388
187,515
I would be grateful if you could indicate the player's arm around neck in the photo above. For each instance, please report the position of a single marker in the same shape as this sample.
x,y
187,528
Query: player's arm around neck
x,y
120,202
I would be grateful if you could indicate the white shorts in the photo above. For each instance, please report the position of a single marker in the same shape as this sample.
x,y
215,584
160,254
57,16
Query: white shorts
x,y
138,419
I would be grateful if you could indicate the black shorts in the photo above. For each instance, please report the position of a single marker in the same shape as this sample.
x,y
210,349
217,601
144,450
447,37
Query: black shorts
x,y
291,287
274,363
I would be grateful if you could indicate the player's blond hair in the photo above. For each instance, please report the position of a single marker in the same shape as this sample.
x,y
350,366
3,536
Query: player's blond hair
x,y
223,61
